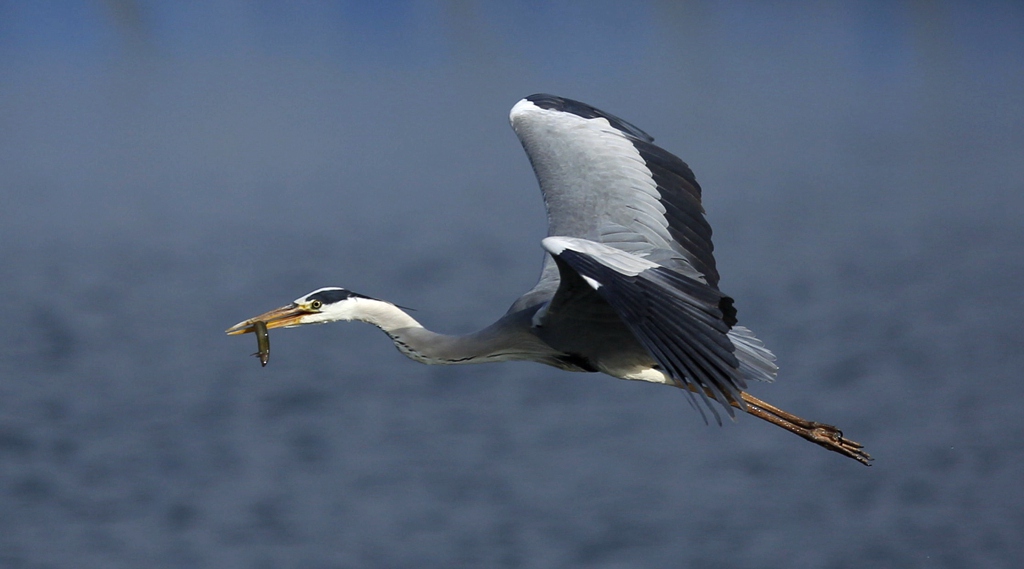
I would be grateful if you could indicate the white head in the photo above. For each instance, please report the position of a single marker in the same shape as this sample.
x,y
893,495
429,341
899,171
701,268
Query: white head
x,y
329,304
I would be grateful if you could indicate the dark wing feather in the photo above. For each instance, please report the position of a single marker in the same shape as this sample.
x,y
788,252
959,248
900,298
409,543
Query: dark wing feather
x,y
596,170
682,322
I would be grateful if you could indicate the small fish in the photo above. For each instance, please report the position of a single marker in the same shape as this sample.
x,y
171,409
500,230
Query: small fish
x,y
262,341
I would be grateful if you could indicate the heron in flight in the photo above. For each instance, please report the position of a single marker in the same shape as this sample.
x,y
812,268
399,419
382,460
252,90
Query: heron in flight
x,y
628,287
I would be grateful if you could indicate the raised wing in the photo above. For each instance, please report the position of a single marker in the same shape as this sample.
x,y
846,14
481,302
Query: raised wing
x,y
604,180
627,235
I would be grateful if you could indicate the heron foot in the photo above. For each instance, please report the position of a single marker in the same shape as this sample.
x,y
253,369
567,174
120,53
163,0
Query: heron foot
x,y
821,434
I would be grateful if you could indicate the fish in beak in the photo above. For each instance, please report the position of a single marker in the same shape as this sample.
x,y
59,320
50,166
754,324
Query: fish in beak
x,y
284,317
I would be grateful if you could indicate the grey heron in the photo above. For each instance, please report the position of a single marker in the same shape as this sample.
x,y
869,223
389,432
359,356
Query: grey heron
x,y
628,286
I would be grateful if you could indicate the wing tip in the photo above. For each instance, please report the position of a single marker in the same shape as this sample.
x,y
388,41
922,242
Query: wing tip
x,y
521,106
556,244
547,102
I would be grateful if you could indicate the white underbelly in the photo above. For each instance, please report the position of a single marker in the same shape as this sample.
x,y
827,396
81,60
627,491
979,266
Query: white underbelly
x,y
647,374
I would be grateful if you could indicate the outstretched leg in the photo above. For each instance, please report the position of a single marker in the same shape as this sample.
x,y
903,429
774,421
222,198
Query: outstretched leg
x,y
818,433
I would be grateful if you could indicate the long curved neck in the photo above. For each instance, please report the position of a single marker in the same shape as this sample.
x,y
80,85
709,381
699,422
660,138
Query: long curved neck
x,y
381,314
507,339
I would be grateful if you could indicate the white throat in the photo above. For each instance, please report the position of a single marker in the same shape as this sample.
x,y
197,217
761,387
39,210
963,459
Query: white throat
x,y
381,314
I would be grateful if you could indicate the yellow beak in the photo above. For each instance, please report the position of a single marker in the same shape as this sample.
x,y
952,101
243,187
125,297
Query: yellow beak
x,y
284,317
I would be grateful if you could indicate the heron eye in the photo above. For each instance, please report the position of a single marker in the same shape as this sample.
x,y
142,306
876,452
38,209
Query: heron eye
x,y
316,304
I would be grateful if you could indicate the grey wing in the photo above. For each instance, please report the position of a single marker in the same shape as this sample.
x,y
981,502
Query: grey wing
x,y
687,326
604,180
627,233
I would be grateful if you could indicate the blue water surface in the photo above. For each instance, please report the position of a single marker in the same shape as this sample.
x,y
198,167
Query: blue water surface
x,y
170,169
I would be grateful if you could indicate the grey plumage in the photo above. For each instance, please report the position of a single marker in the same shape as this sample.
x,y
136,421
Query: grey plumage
x,y
622,198
629,285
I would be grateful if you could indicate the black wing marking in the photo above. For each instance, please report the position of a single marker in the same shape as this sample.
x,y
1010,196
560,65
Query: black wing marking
x,y
682,322
588,181
556,103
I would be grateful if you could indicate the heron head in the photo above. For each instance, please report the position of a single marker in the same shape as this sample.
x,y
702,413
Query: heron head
x,y
321,306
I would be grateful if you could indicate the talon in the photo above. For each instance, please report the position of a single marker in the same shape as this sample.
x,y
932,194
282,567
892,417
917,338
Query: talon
x,y
821,434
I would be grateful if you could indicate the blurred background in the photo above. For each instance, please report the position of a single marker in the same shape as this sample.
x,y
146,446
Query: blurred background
x,y
169,169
